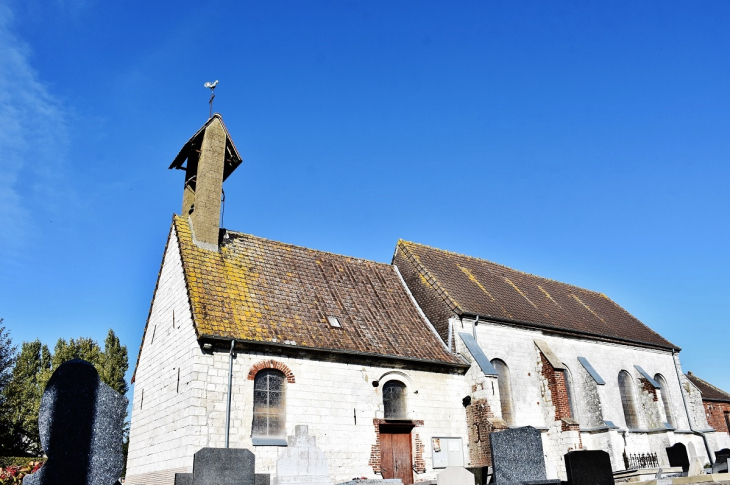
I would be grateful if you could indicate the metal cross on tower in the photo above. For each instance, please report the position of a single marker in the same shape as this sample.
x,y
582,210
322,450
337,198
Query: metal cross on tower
x,y
211,86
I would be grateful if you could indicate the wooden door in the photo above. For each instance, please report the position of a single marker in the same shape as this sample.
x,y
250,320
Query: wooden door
x,y
395,455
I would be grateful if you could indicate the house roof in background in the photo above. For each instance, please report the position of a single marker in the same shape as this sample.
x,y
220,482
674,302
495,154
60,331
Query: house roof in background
x,y
472,286
265,291
709,392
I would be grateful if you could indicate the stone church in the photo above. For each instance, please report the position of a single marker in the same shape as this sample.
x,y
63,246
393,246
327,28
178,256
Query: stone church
x,y
398,370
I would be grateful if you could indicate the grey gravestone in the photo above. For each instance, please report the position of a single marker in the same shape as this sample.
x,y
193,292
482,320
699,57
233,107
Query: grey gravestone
x,y
375,481
81,423
721,457
302,463
677,455
262,479
183,479
455,475
223,466
517,457
588,467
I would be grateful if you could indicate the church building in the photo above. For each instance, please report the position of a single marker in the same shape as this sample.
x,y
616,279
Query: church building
x,y
398,370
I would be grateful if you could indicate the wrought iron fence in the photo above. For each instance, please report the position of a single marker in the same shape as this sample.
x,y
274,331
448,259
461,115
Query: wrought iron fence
x,y
641,460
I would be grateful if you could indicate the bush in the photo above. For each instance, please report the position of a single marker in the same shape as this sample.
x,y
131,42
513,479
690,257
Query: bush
x,y
14,474
20,461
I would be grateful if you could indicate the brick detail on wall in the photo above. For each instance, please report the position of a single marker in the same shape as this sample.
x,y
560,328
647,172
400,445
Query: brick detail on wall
x,y
715,412
375,456
432,303
558,390
478,414
271,364
648,388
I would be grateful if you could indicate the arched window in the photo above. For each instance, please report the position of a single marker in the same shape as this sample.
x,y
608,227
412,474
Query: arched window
x,y
505,390
394,400
269,404
571,394
625,387
665,399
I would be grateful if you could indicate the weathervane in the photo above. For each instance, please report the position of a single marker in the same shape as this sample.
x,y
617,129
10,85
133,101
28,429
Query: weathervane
x,y
211,86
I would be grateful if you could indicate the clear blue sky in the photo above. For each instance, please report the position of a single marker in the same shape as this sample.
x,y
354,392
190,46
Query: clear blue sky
x,y
586,142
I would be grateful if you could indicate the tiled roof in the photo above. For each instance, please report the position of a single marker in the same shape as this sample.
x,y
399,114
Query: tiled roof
x,y
709,392
475,286
259,290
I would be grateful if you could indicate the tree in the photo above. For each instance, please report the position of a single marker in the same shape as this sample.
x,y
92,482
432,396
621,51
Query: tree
x,y
7,360
34,368
23,397
114,364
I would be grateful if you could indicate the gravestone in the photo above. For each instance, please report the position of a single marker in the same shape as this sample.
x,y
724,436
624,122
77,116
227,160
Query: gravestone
x,y
183,479
262,479
223,466
81,423
302,463
517,457
677,455
588,467
455,475
721,465
375,481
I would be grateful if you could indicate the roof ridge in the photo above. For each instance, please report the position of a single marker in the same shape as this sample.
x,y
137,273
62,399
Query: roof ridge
x,y
509,268
297,246
422,269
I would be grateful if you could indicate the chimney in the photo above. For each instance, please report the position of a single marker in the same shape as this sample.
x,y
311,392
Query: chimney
x,y
211,157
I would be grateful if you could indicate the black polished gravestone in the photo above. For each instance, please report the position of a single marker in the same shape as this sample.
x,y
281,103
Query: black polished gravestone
x,y
517,457
677,454
81,424
223,466
588,467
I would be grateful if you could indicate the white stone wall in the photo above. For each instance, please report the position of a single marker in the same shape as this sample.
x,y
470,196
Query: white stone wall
x,y
338,403
593,403
164,422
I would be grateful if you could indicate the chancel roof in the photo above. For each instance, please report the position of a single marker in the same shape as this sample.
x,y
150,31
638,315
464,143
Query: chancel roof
x,y
709,392
472,286
263,291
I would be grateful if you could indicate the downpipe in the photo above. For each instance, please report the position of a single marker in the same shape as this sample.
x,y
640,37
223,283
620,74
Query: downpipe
x,y
230,382
686,410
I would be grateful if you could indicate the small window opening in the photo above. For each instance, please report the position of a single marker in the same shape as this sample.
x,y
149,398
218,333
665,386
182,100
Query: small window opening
x,y
394,400
141,401
154,330
178,380
334,321
173,319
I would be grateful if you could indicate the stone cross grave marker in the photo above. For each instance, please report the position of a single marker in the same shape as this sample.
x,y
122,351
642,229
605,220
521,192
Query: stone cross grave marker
x,y
517,457
588,467
81,425
302,463
677,454
455,475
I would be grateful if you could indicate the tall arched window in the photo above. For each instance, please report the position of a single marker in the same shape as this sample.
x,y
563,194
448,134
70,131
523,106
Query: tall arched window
x,y
625,387
505,390
269,404
394,400
571,394
665,399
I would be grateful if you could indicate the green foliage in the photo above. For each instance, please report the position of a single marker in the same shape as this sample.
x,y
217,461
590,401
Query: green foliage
x,y
20,461
34,368
22,398
7,360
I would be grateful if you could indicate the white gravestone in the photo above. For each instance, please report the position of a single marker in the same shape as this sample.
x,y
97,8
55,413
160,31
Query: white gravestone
x,y
455,475
302,463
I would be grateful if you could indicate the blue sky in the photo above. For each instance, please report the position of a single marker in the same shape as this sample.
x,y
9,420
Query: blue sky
x,y
581,141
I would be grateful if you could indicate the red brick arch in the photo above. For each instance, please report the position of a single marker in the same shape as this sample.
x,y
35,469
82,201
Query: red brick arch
x,y
271,364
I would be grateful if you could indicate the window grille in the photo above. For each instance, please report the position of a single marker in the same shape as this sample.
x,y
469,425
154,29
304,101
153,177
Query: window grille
x,y
269,404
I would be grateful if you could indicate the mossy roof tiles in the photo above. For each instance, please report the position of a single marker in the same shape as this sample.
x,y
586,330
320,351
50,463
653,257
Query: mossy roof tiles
x,y
472,286
259,290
